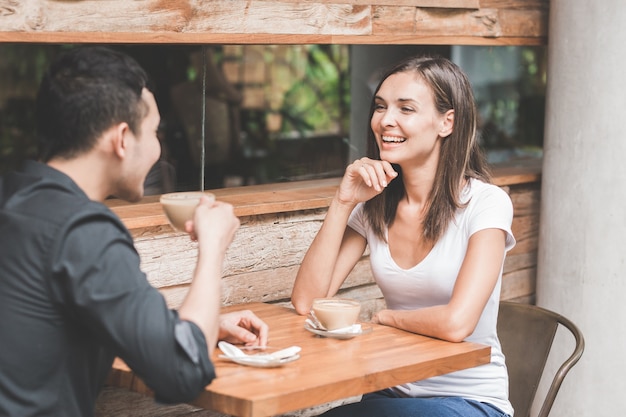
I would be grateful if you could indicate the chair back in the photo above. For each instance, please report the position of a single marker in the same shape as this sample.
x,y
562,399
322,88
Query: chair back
x,y
526,333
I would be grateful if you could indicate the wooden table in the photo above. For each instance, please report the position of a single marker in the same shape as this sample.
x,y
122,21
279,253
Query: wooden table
x,y
328,369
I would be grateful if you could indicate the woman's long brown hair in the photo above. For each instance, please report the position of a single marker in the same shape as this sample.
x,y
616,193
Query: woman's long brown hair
x,y
460,156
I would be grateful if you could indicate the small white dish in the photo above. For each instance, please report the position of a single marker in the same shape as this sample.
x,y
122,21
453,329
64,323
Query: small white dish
x,y
263,357
334,334
252,361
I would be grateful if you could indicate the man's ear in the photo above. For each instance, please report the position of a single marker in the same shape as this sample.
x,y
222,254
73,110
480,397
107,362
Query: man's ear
x,y
447,124
119,138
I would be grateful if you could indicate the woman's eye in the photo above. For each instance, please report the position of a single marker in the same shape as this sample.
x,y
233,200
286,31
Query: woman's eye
x,y
407,109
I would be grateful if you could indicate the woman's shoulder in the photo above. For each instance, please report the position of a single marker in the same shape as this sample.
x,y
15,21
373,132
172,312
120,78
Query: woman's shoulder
x,y
477,186
477,190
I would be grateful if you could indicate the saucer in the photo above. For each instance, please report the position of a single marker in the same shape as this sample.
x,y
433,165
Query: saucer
x,y
259,362
338,335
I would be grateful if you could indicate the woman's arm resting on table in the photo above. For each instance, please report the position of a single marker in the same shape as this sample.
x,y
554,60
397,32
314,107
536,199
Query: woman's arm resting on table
x,y
332,255
337,248
476,281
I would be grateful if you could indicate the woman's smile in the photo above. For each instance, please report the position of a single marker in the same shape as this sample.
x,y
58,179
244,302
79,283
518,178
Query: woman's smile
x,y
393,139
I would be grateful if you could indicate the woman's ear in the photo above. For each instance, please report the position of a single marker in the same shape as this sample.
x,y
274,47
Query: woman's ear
x,y
447,124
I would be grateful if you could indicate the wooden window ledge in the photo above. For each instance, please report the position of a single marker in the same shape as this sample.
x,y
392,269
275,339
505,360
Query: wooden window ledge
x,y
289,196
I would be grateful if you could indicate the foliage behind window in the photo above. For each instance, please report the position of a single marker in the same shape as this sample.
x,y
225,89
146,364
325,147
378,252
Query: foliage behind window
x,y
273,112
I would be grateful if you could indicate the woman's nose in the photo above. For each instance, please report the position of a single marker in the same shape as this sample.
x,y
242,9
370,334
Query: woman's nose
x,y
388,118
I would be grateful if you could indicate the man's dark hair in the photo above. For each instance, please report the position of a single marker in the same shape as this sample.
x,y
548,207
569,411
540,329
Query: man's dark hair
x,y
84,92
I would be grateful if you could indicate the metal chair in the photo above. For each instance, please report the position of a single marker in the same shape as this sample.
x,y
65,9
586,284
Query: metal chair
x,y
526,333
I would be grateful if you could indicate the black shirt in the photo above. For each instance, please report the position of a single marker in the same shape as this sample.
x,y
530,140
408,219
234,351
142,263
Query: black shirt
x,y
72,297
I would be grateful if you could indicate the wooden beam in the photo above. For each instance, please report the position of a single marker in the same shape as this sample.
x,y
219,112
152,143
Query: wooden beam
x,y
457,22
450,4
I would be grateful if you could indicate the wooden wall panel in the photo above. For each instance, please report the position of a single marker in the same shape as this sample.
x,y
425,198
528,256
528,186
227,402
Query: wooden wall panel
x,y
276,21
264,257
526,217
215,16
450,4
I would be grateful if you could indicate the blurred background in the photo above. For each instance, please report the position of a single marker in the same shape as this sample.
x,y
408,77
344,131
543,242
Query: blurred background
x,y
235,115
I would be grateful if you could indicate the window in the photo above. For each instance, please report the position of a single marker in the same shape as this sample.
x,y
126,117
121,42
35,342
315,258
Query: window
x,y
272,113
277,113
509,84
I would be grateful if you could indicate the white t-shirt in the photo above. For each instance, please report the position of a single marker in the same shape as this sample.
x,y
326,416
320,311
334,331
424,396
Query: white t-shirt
x,y
431,283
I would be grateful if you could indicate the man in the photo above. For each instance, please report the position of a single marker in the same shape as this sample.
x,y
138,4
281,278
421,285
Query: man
x,y
72,295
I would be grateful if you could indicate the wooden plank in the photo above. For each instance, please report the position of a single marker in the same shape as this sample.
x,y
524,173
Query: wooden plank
x,y
526,218
520,261
518,284
170,38
227,16
482,23
238,393
450,4
394,21
526,232
283,197
260,244
270,285
515,4
518,22
263,260
267,392
457,22
438,39
489,23
526,199
520,172
216,16
265,255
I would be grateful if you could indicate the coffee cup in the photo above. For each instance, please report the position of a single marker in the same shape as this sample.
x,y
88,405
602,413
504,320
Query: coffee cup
x,y
336,313
180,207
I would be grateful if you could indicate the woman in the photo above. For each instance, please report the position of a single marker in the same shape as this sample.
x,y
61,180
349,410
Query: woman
x,y
437,230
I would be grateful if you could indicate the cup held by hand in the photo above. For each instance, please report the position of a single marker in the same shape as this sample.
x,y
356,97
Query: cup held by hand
x,y
180,207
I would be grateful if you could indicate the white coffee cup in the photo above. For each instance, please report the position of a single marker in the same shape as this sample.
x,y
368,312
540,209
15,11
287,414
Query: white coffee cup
x,y
336,313
180,207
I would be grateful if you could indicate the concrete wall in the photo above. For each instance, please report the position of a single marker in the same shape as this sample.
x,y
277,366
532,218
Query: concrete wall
x,y
582,255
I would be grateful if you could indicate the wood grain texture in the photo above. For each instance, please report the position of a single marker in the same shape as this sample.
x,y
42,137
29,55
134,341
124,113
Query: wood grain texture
x,y
450,4
148,216
275,21
216,16
265,255
327,370
525,225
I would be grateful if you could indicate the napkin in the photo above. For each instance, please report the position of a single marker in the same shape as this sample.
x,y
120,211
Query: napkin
x,y
232,352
